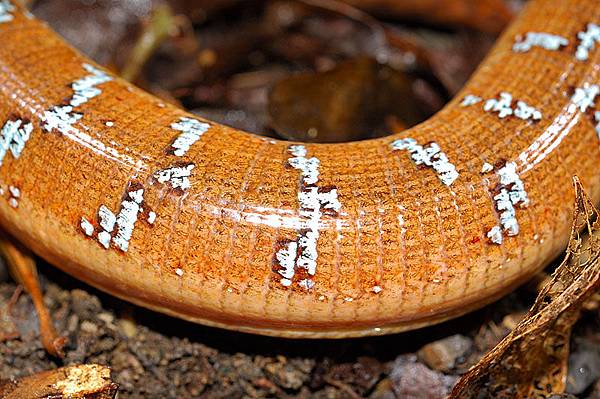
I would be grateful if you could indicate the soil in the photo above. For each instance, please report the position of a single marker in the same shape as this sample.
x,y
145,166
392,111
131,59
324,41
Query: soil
x,y
155,356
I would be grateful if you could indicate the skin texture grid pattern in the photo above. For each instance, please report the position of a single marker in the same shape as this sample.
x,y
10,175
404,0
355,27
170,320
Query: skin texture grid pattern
x,y
228,229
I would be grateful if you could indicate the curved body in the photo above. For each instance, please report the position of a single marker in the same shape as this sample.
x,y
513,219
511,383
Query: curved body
x,y
228,229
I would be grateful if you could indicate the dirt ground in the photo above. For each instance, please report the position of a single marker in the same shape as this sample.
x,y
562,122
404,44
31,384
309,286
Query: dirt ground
x,y
155,356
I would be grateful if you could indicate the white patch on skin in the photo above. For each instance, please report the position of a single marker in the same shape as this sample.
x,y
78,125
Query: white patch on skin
x,y
104,239
176,177
512,193
431,156
503,106
13,137
151,217
495,235
286,257
587,40
285,282
348,299
376,289
109,123
526,112
15,194
124,221
107,218
470,100
307,283
191,131
5,11
487,167
584,96
179,272
539,39
87,227
14,191
303,252
62,117
597,118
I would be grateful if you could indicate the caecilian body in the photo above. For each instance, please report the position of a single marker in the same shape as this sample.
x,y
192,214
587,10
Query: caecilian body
x,y
228,229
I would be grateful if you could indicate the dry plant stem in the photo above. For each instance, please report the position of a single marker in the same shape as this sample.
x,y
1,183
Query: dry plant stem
x,y
204,222
22,266
161,25
532,360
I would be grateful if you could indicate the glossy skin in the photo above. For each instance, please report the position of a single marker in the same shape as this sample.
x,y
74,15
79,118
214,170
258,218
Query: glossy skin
x,y
404,250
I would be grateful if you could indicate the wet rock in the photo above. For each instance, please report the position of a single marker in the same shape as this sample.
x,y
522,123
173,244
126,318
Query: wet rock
x,y
442,355
413,380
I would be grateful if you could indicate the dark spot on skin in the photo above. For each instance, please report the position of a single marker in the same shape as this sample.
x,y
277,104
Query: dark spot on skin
x,y
300,274
12,116
65,102
499,164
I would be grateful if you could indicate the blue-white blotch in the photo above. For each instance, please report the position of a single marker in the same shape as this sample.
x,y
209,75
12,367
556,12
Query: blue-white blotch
x,y
584,96
431,156
13,137
587,40
302,253
511,193
117,228
63,117
504,106
5,11
546,41
191,131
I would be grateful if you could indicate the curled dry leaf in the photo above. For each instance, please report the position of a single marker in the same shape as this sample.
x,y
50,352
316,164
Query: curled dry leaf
x,y
85,381
531,362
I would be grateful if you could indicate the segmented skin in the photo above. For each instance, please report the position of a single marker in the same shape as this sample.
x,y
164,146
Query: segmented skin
x,y
409,245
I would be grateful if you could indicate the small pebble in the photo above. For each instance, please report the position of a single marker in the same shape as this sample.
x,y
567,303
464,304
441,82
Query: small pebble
x,y
442,355
414,380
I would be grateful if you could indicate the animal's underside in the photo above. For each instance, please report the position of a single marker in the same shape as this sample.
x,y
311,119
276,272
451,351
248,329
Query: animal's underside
x,y
221,227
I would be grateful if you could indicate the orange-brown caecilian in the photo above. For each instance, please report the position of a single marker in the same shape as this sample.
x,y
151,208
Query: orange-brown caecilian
x,y
228,229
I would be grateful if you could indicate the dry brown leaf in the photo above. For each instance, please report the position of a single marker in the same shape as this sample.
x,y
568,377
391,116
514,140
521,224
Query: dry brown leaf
x,y
531,362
